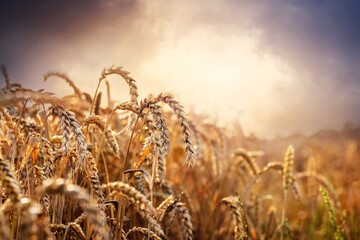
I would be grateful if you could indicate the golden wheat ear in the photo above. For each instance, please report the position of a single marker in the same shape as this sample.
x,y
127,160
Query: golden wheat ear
x,y
158,127
97,104
126,76
288,167
9,181
144,232
73,230
232,203
109,135
254,168
141,202
12,97
129,80
185,220
70,124
321,180
185,128
67,80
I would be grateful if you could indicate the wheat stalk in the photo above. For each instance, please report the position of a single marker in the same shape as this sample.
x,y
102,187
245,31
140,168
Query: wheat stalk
x,y
31,212
6,76
4,231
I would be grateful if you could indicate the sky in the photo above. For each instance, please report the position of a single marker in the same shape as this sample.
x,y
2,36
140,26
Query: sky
x,y
276,67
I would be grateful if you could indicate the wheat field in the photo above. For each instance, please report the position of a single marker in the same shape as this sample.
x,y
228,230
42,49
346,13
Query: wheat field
x,y
87,167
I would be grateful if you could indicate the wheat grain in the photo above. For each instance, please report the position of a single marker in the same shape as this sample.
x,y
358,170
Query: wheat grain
x,y
109,102
198,141
278,166
140,184
136,197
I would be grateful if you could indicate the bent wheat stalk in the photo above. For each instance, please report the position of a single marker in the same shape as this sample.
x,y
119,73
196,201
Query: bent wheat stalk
x,y
67,80
185,128
240,152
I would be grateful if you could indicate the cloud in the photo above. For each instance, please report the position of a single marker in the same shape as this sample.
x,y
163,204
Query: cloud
x,y
277,66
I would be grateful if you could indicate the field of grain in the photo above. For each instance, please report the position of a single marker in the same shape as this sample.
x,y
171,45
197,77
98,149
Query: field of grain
x,y
71,168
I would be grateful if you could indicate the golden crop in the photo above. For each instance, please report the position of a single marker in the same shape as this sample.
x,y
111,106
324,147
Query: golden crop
x,y
71,169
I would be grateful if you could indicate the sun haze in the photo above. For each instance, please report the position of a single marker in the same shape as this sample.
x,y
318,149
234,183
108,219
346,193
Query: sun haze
x,y
277,68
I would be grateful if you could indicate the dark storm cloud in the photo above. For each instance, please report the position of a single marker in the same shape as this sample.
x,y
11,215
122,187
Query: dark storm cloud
x,y
322,40
31,29
26,24
322,37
